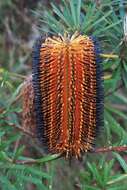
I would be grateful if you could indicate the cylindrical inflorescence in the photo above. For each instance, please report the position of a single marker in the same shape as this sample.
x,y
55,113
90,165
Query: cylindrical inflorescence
x,y
68,93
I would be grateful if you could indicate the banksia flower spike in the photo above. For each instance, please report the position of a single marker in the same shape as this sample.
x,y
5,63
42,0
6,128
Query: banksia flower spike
x,y
68,93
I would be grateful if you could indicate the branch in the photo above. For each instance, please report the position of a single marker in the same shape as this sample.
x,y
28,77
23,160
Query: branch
x,y
25,132
110,149
57,156
117,88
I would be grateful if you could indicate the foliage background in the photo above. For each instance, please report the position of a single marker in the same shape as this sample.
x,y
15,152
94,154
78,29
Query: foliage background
x,y
20,24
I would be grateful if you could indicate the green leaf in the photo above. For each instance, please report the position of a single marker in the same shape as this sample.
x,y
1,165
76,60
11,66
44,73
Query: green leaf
x,y
108,27
120,97
3,156
15,94
88,17
35,181
88,187
120,178
116,111
58,12
78,12
35,171
124,77
118,187
2,133
99,20
73,11
113,124
48,158
122,162
6,183
95,173
107,171
18,152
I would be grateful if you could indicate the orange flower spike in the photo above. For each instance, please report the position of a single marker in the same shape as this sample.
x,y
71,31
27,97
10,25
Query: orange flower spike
x,y
68,87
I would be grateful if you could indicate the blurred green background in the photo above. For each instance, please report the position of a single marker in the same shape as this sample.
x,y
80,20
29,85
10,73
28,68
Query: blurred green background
x,y
21,22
